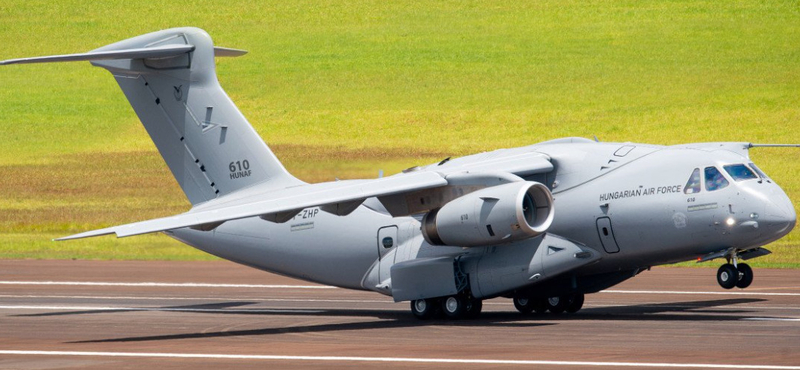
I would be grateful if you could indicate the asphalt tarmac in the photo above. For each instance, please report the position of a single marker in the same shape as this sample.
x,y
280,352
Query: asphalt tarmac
x,y
213,315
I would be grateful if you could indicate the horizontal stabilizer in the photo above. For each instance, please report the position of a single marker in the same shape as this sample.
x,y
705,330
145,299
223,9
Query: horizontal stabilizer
x,y
774,145
228,52
155,52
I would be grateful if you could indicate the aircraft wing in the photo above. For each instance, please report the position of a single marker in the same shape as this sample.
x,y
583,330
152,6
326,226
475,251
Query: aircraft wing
x,y
281,205
517,163
340,197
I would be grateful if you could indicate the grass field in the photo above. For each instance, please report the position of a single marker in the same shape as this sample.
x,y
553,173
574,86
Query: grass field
x,y
345,89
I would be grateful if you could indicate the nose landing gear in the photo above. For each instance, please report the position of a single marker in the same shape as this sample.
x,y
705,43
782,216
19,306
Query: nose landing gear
x,y
738,275
727,276
734,274
745,275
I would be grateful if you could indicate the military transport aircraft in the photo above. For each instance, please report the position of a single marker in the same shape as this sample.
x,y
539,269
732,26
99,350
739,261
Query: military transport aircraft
x,y
542,224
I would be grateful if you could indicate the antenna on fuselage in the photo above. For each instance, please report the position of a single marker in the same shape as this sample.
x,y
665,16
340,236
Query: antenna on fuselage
x,y
596,140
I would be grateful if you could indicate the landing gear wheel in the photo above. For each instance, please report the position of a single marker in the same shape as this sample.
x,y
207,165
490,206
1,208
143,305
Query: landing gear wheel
x,y
527,305
540,305
424,309
745,275
727,276
454,307
575,304
557,305
474,307
524,305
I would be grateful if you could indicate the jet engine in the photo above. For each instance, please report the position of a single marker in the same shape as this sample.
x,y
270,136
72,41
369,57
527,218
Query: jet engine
x,y
494,215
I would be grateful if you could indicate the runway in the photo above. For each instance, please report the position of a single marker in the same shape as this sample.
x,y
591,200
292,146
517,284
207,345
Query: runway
x,y
210,315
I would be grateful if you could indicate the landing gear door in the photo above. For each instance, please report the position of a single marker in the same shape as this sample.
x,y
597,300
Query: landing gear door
x,y
607,235
387,241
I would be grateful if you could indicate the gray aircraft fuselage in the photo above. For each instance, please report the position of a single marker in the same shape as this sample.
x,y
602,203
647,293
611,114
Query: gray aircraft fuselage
x,y
543,224
627,202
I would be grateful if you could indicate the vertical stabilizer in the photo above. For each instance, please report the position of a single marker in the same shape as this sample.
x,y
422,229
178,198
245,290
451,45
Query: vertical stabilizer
x,y
207,143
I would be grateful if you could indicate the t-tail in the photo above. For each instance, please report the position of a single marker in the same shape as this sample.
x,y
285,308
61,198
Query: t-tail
x,y
170,80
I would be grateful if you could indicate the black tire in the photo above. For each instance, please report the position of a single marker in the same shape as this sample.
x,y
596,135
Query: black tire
x,y
474,307
557,305
745,275
454,307
575,304
424,309
727,276
540,305
524,305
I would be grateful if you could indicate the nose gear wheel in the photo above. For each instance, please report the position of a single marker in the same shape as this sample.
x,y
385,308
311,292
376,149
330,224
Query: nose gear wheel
x,y
727,276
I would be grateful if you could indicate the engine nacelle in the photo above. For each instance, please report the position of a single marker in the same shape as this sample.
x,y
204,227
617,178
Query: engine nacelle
x,y
494,215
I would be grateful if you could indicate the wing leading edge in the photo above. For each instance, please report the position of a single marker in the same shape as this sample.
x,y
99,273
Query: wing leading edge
x,y
280,204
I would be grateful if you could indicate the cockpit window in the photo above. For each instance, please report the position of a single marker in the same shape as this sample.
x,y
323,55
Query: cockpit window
x,y
714,179
693,185
758,170
739,172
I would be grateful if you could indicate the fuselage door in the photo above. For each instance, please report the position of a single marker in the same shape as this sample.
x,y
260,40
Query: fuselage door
x,y
607,235
387,241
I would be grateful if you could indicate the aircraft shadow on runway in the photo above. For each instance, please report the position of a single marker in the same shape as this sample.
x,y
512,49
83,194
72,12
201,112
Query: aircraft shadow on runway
x,y
609,312
706,310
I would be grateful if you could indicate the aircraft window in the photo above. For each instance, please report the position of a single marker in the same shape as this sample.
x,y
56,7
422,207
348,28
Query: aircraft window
x,y
758,170
693,185
739,172
387,242
714,179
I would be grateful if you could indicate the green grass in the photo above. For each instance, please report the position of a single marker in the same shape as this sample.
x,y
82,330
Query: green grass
x,y
146,247
344,89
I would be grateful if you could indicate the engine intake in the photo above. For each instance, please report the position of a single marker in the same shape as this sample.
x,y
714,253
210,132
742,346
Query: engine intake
x,y
494,215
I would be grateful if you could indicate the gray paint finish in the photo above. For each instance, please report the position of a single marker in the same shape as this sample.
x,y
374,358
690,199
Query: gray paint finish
x,y
611,209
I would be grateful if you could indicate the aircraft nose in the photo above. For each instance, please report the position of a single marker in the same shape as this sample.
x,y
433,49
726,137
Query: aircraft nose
x,y
779,216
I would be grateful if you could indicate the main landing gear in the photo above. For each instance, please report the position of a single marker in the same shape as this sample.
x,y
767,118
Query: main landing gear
x,y
454,307
556,305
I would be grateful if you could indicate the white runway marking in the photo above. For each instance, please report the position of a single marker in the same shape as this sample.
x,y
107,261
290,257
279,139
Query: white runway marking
x,y
741,293
278,286
153,309
222,299
392,359
177,285
770,319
